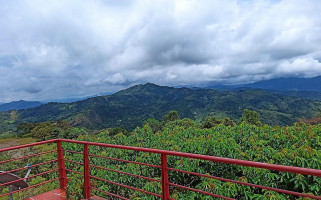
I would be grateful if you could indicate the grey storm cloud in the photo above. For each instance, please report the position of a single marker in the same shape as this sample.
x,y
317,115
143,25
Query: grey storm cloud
x,y
60,49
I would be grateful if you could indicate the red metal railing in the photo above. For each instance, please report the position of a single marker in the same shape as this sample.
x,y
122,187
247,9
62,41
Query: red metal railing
x,y
88,188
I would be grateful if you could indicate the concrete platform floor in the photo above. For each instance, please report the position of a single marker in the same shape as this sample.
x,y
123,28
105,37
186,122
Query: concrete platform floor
x,y
57,194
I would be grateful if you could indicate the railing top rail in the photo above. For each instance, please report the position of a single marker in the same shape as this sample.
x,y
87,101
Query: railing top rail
x,y
298,170
163,153
28,145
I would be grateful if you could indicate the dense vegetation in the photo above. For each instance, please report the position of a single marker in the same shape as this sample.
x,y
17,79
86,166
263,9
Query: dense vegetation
x,y
247,139
130,107
297,145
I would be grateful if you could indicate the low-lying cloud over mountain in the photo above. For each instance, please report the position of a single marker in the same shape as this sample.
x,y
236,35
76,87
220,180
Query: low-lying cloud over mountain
x,y
61,49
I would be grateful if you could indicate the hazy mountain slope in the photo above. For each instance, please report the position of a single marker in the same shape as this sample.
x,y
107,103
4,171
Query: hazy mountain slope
x,y
16,105
130,107
303,94
289,84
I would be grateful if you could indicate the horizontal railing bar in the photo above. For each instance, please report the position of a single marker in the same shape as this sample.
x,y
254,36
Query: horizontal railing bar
x,y
247,184
40,174
129,174
22,168
127,161
29,187
24,157
110,194
70,151
79,163
126,186
28,145
200,191
298,170
69,170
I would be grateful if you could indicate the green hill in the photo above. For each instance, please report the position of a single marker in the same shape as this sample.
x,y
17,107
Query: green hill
x,y
130,107
16,105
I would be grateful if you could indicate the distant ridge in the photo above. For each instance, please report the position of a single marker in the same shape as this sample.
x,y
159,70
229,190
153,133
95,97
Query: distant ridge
x,y
17,105
129,108
289,84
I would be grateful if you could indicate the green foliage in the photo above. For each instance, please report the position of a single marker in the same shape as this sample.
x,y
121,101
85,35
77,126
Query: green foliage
x,y
183,123
130,107
251,117
44,130
298,145
50,130
170,116
118,130
212,121
154,124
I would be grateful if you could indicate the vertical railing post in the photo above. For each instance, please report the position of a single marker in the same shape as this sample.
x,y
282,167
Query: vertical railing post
x,y
165,185
61,166
87,190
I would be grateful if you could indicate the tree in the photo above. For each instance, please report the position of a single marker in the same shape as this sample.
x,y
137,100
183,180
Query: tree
x,y
184,123
228,122
170,116
154,124
210,122
251,117
117,130
73,133
25,128
43,130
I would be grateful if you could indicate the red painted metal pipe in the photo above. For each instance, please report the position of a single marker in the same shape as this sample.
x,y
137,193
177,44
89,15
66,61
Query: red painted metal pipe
x,y
298,170
61,166
125,173
28,145
165,186
110,194
29,156
126,186
6,194
69,170
164,154
20,179
126,161
247,184
23,168
86,173
200,191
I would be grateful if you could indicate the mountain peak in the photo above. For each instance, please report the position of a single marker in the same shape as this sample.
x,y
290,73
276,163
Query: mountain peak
x,y
146,88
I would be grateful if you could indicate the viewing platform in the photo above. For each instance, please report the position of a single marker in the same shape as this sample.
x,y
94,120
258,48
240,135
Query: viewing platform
x,y
91,191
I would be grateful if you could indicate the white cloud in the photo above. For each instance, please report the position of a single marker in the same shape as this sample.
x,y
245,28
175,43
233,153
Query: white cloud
x,y
55,48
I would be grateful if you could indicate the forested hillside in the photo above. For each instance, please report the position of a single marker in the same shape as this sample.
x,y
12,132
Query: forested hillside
x,y
289,84
129,108
16,105
297,145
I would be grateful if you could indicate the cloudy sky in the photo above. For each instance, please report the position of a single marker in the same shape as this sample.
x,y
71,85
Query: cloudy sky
x,y
59,49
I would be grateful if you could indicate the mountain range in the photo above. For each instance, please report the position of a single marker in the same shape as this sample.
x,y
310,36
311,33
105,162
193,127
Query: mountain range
x,y
16,105
277,84
130,107
307,88
289,84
